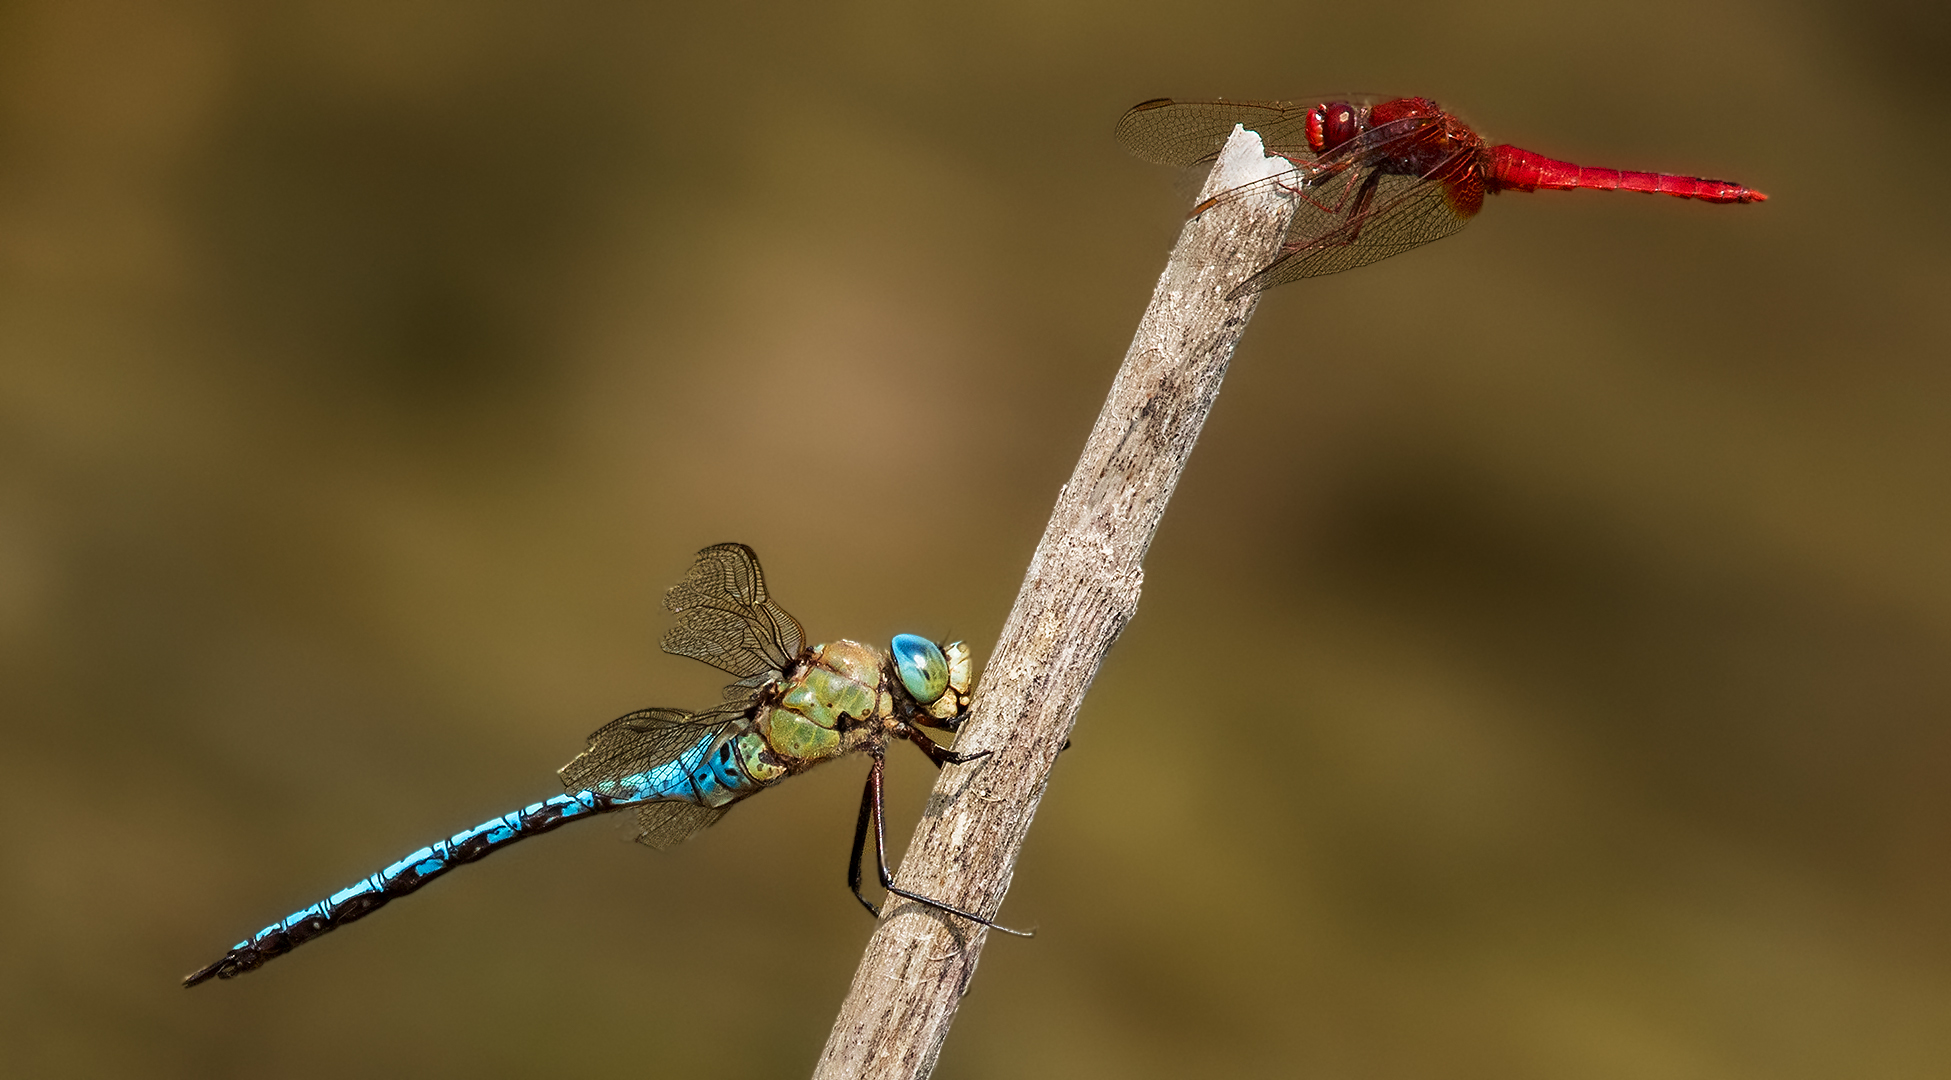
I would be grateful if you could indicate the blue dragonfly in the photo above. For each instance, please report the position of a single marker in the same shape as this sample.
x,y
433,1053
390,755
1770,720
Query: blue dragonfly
x,y
792,707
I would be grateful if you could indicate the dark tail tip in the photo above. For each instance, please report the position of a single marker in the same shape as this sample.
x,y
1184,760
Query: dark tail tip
x,y
235,962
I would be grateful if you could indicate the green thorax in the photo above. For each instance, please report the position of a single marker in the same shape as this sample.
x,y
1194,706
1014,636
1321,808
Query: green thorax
x,y
837,688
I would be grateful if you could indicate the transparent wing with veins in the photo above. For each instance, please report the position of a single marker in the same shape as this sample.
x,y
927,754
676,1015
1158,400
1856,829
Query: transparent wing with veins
x,y
726,619
1344,221
1355,204
1187,133
631,745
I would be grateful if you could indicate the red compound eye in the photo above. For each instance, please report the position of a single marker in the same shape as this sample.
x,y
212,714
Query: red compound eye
x,y
1330,125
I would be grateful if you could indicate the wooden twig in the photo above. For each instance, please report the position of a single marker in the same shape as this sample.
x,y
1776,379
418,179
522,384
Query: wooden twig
x,y
1081,589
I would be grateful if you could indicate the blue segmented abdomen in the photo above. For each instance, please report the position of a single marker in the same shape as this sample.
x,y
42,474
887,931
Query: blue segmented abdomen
x,y
696,776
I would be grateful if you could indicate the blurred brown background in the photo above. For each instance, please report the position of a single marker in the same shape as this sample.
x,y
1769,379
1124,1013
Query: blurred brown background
x,y
1542,671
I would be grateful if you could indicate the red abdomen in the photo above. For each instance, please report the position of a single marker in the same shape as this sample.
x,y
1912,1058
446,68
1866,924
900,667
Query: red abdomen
x,y
1522,170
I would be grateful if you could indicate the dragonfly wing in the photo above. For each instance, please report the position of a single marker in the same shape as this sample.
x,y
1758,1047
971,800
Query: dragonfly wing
x,y
635,744
1330,181
1342,221
667,824
640,742
725,618
1192,132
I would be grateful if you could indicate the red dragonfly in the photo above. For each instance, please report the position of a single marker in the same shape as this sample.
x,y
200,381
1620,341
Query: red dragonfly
x,y
1373,177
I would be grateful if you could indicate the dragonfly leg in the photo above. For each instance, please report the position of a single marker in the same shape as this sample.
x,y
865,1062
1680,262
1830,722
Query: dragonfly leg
x,y
1341,236
1305,189
942,755
939,754
1364,198
869,803
871,799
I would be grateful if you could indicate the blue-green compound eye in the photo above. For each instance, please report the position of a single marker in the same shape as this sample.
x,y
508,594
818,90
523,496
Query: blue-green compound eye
x,y
923,668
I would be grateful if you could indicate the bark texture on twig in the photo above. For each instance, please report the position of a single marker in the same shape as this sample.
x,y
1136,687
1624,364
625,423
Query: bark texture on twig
x,y
1081,589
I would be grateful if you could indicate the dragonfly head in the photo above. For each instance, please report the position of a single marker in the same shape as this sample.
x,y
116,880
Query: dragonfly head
x,y
1332,124
936,676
